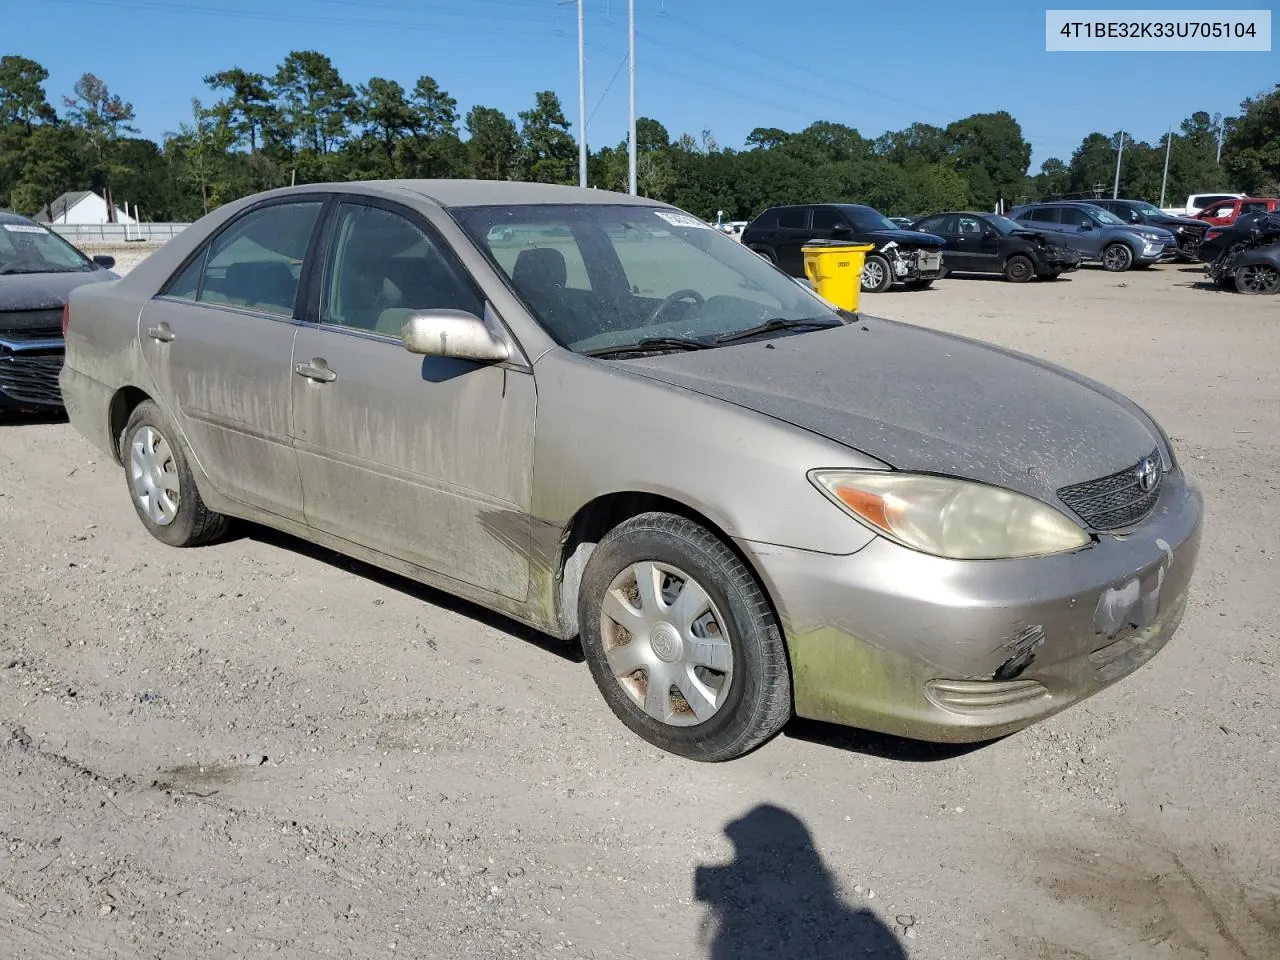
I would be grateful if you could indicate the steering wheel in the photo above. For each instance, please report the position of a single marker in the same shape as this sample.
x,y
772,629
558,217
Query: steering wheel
x,y
676,297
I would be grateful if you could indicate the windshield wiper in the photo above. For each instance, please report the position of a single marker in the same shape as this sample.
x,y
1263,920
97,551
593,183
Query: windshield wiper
x,y
649,345
778,323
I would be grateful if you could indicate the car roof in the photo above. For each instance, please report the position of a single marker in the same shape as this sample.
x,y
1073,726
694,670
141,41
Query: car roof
x,y
7,216
477,193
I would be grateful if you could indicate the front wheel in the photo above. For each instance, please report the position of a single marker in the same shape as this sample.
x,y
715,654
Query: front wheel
x,y
1019,269
1257,278
877,277
161,487
1052,275
681,640
1117,257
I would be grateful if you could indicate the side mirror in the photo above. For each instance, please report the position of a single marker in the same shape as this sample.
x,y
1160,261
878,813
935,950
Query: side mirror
x,y
1086,225
452,333
103,260
841,228
989,233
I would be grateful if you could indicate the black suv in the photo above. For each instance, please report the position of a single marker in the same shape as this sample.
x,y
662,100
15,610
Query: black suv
x,y
900,256
1188,232
990,243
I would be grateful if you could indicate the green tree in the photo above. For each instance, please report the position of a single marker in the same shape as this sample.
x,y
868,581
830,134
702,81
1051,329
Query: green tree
x,y
386,114
919,142
989,150
248,107
767,138
103,117
55,158
436,111
548,153
22,97
1251,151
650,136
200,151
316,104
494,144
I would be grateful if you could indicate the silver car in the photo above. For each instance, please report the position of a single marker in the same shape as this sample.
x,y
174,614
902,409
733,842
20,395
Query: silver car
x,y
602,417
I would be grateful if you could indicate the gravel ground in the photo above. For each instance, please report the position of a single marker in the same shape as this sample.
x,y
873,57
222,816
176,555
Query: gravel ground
x,y
260,748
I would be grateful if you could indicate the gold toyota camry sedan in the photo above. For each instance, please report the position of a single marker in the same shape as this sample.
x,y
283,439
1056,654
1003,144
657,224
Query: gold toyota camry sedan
x,y
600,416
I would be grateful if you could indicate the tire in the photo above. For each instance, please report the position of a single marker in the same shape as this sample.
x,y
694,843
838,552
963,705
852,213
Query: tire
x,y
766,253
170,508
920,284
1117,257
1019,269
746,695
1052,275
1257,278
877,276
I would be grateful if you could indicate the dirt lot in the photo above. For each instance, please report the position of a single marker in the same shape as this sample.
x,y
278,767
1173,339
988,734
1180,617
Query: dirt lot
x,y
260,748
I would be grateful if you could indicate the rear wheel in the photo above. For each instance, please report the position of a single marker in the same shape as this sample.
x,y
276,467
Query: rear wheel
x,y
766,253
877,277
681,640
1117,257
161,487
1257,278
1019,269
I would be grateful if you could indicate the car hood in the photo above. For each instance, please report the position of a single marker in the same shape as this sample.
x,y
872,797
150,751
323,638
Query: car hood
x,y
1172,223
44,291
903,238
926,401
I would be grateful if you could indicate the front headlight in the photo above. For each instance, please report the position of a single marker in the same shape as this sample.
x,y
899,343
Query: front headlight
x,y
956,519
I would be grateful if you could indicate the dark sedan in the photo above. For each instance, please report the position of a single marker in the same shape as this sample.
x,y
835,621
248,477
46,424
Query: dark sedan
x,y
1188,231
990,243
38,269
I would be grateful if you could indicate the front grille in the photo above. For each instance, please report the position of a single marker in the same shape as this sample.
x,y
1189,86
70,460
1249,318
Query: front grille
x,y
22,320
1117,500
31,379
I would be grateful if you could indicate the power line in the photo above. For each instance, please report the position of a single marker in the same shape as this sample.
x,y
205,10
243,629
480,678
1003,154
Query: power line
x,y
622,63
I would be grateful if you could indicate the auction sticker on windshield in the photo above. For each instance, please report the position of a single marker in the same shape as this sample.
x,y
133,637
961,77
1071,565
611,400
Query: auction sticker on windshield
x,y
22,228
682,220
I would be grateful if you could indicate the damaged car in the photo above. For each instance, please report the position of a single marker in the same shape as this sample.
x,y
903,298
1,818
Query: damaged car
x,y
37,270
903,256
596,414
1249,259
990,243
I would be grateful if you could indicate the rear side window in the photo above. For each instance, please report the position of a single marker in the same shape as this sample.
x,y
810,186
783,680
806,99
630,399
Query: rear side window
x,y
793,219
1205,199
943,225
1258,206
256,262
1043,215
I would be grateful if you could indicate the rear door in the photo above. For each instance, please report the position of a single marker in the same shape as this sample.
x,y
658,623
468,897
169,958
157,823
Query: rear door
x,y
218,341
793,233
427,459
1220,214
1080,230
954,256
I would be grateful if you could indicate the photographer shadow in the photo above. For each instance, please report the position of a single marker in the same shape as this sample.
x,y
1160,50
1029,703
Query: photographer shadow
x,y
777,901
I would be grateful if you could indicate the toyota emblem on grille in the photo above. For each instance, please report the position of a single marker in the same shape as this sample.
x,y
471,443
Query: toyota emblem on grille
x,y
1147,475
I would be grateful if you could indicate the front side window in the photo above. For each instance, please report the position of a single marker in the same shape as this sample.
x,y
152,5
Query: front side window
x,y
824,218
644,272
971,226
256,262
383,267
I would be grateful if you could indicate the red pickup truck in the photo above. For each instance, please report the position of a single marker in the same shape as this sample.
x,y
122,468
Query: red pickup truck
x,y
1225,212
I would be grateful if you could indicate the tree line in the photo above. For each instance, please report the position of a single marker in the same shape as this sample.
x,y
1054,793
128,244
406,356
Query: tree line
x,y
305,124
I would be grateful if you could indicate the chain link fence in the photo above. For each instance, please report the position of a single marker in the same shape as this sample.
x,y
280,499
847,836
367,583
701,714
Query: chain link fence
x,y
118,234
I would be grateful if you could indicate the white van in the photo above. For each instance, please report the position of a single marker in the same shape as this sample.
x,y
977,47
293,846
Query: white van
x,y
1199,201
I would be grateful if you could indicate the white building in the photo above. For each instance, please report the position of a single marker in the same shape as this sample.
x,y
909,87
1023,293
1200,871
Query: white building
x,y
79,206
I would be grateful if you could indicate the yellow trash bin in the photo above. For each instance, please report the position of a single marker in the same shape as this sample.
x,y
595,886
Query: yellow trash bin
x,y
836,271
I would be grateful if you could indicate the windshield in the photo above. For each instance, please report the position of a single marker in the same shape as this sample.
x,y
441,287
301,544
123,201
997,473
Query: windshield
x,y
28,248
1105,216
1147,210
599,276
865,218
1004,224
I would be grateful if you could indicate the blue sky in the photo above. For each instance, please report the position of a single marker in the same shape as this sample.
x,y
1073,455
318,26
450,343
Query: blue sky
x,y
726,65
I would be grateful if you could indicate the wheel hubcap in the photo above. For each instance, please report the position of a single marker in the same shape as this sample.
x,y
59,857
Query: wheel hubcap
x,y
1260,278
872,275
1117,257
666,643
153,476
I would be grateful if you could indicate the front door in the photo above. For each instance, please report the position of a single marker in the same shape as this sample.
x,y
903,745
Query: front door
x,y
427,459
218,342
979,243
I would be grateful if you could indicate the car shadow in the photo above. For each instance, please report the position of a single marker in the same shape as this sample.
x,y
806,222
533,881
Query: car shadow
x,y
31,418
777,900
880,745
268,536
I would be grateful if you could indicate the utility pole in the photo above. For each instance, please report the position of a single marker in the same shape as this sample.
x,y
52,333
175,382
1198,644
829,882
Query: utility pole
x,y
1115,189
582,103
1221,123
631,68
1165,179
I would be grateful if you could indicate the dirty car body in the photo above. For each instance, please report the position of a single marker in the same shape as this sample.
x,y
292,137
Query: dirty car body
x,y
536,389
38,269
990,243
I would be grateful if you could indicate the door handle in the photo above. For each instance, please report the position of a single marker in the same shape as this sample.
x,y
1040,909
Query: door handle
x,y
317,370
160,332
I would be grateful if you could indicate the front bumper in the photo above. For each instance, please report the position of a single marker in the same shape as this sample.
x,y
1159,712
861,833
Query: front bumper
x,y
892,640
1157,252
918,265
